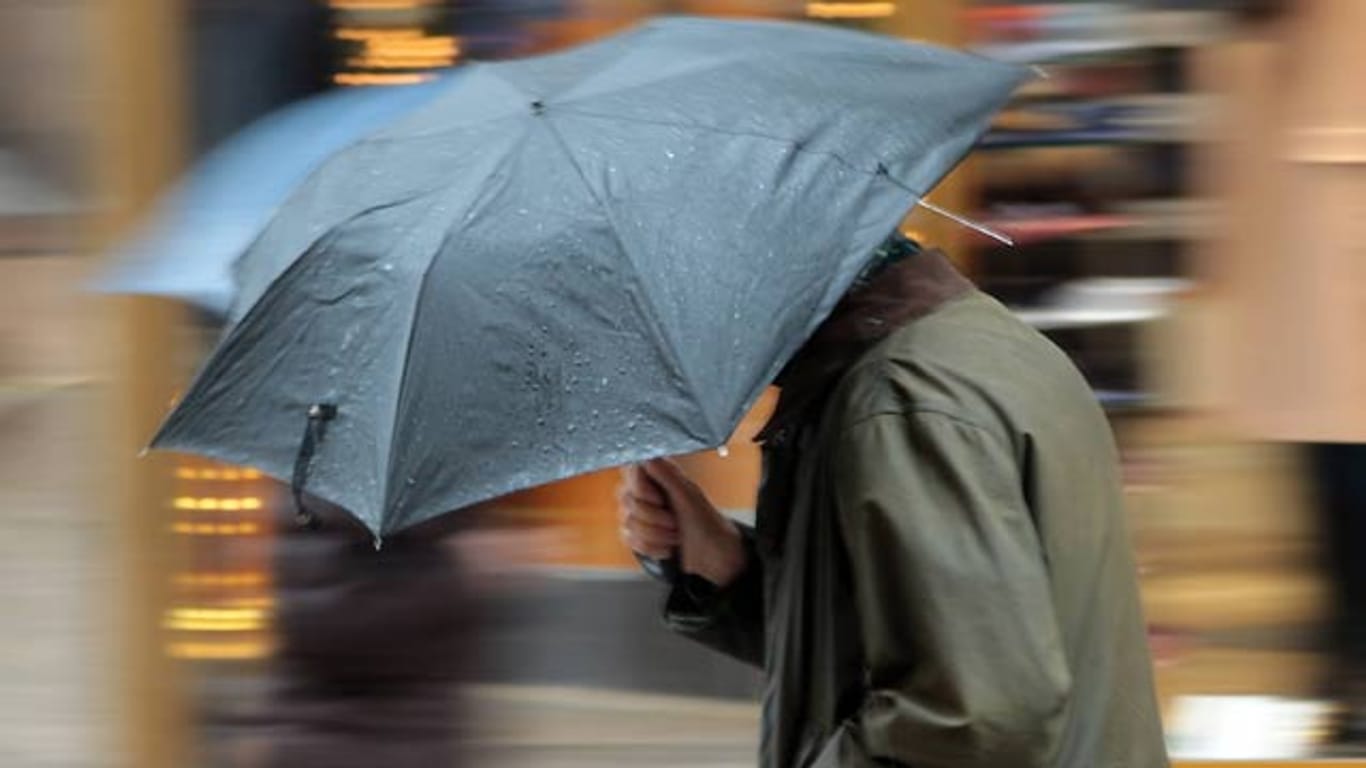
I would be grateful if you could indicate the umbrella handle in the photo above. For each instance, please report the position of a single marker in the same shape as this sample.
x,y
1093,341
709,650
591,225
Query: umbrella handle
x,y
667,570
318,416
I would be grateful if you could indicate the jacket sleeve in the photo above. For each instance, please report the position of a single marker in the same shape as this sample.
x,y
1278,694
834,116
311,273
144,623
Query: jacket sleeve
x,y
964,662
730,619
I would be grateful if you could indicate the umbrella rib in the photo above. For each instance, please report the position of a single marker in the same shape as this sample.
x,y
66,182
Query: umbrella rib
x,y
665,341
386,479
237,265
399,401
796,144
235,334
956,218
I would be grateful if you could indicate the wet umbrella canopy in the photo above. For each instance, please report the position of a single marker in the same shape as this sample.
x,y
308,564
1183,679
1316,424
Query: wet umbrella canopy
x,y
576,261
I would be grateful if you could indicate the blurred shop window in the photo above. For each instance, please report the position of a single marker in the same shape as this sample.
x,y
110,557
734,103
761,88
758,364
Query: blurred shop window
x,y
392,42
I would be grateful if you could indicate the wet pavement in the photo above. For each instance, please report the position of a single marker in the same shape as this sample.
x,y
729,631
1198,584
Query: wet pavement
x,y
534,727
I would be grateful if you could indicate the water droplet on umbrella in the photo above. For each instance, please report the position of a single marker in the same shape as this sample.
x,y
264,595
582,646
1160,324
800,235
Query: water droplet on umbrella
x,y
604,381
410,481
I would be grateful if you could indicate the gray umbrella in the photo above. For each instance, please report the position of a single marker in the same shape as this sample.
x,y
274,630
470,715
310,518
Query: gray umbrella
x,y
575,261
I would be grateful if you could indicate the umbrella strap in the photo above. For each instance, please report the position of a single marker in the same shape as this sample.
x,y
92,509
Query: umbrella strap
x,y
318,416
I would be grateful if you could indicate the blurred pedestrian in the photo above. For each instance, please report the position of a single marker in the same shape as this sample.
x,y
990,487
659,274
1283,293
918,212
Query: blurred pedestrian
x,y
1287,276
940,573
372,646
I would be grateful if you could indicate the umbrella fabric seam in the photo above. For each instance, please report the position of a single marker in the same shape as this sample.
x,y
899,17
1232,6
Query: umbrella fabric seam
x,y
401,397
387,474
330,231
879,172
796,144
241,457
666,342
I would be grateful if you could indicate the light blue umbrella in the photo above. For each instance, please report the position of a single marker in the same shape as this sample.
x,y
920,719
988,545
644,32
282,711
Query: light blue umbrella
x,y
186,248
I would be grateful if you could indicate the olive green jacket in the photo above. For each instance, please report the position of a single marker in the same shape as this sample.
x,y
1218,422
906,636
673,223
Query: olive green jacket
x,y
940,574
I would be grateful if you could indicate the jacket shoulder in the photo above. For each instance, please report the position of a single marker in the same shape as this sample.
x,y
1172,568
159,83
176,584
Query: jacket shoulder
x,y
957,362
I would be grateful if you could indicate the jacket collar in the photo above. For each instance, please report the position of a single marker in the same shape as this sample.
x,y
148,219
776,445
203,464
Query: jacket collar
x,y
905,292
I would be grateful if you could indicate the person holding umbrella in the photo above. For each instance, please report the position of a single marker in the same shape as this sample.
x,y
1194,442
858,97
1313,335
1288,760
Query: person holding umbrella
x,y
939,574
558,265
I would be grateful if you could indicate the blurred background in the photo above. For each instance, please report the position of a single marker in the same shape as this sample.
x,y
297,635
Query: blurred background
x,y
1187,192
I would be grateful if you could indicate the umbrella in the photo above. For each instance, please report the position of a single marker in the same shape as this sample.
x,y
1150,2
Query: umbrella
x,y
575,261
186,248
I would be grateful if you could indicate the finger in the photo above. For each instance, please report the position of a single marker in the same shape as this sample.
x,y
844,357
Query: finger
x,y
642,486
648,530
627,494
660,517
653,550
646,490
672,480
653,540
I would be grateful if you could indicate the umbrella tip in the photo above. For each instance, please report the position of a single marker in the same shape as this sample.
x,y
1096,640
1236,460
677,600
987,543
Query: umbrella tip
x,y
142,454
